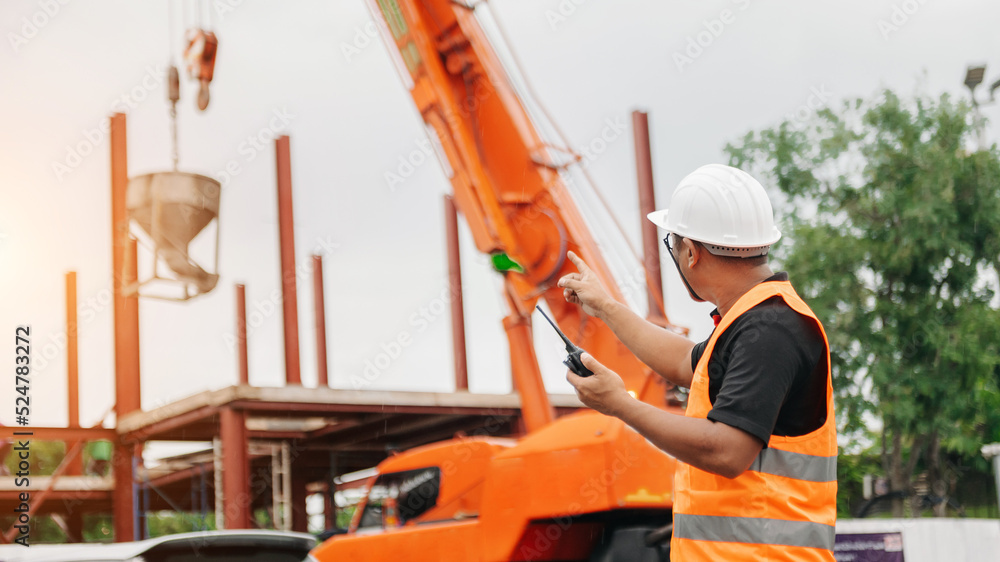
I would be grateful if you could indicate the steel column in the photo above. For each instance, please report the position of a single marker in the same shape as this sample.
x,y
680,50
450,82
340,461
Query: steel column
x,y
72,372
236,502
144,514
455,286
217,483
300,519
329,509
74,517
330,497
286,236
319,306
535,405
72,365
126,328
647,204
241,335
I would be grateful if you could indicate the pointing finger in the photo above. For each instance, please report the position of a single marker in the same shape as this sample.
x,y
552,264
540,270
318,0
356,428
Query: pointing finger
x,y
579,263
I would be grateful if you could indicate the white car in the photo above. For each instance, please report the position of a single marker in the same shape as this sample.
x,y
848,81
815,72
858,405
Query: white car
x,y
212,546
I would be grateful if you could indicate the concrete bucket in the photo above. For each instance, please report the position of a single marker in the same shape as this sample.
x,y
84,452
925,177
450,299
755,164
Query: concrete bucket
x,y
173,208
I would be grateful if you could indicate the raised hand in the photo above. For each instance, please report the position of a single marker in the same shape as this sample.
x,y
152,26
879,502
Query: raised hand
x,y
584,288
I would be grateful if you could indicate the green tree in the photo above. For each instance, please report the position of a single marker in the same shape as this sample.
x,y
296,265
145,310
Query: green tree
x,y
891,220
44,457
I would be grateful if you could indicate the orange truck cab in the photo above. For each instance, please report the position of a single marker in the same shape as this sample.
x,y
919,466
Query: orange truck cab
x,y
562,493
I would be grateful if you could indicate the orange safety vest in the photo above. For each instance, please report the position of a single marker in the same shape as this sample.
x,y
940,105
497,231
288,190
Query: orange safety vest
x,y
784,507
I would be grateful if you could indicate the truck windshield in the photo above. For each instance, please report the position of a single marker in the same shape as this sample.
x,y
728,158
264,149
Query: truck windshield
x,y
399,497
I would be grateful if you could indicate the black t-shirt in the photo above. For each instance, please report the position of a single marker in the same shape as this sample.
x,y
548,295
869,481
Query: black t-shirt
x,y
767,372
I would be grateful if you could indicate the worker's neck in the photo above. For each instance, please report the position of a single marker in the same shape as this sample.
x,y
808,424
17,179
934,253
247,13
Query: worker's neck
x,y
727,295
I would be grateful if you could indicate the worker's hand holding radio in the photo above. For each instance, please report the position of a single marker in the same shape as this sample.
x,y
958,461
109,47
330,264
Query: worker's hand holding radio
x,y
584,288
603,391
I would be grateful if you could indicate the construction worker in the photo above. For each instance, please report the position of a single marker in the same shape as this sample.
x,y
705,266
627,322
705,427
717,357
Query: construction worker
x,y
757,448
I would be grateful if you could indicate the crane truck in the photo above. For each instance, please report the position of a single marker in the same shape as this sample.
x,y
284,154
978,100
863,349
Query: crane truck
x,y
581,487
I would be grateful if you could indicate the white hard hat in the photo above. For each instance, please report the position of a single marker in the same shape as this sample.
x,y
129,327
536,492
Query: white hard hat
x,y
722,207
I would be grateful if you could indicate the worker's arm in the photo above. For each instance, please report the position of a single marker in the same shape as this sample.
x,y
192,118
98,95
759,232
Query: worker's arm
x,y
666,353
711,446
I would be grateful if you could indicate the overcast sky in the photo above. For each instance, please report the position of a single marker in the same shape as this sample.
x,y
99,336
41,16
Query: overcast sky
x,y
310,69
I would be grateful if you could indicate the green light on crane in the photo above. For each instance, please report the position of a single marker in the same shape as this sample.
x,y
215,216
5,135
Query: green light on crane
x,y
503,263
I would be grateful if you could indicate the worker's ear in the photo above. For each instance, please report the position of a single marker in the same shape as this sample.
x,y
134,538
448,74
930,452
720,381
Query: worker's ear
x,y
692,252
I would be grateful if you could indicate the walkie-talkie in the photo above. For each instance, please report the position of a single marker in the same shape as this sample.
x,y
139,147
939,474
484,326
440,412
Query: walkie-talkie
x,y
573,360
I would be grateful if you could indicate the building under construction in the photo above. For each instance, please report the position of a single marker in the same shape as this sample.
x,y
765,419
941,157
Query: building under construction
x,y
270,447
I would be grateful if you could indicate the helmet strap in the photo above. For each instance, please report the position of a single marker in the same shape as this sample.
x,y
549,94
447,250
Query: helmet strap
x,y
693,294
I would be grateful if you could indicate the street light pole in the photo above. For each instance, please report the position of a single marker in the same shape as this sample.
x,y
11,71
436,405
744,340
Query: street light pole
x,y
974,76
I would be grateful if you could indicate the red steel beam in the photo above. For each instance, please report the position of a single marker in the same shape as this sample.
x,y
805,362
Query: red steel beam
x,y
319,304
241,334
125,327
286,236
171,423
455,284
264,434
182,475
56,497
62,433
336,427
72,383
300,519
647,204
235,469
298,407
131,390
72,366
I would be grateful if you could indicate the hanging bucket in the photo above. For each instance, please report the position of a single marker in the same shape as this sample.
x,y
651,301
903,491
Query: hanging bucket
x,y
172,208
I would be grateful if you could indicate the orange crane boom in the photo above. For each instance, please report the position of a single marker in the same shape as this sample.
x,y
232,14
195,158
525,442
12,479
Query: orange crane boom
x,y
583,487
506,183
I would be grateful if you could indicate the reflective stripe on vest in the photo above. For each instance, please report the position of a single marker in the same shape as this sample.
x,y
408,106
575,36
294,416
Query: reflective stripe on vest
x,y
784,506
795,465
754,530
